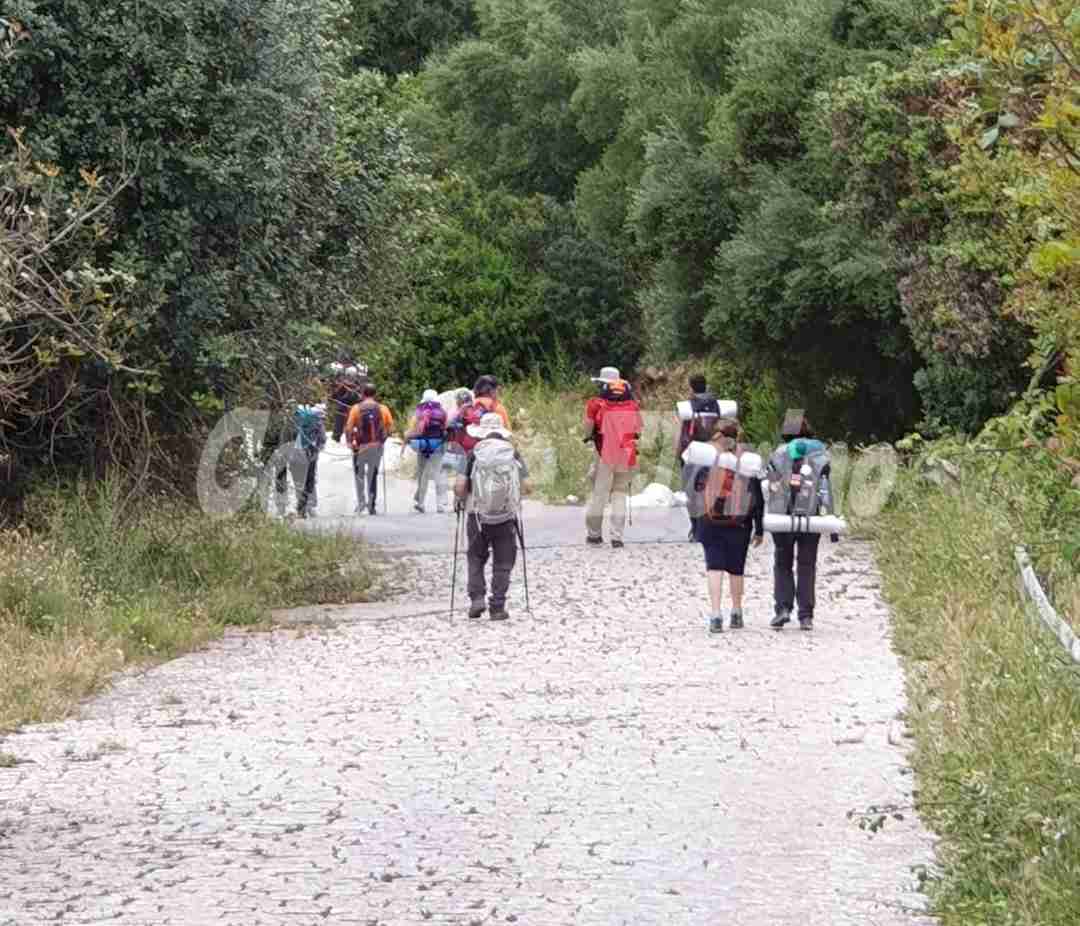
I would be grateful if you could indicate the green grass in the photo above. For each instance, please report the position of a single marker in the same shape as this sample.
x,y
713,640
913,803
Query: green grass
x,y
548,428
994,706
92,584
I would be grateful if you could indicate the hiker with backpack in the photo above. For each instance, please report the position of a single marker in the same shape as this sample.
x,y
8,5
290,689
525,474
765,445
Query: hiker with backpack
x,y
699,425
488,495
427,436
458,442
368,425
797,478
732,511
304,457
486,392
613,425
346,392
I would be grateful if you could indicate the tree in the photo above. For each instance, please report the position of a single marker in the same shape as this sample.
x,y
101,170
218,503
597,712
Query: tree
x,y
397,36
243,220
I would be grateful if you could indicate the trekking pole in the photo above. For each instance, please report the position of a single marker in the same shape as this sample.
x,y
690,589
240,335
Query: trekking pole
x,y
453,571
524,561
630,501
385,500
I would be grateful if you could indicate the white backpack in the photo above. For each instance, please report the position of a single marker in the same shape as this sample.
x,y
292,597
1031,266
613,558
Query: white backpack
x,y
496,482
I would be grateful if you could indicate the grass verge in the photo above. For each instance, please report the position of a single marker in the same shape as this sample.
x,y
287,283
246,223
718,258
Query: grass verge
x,y
994,707
88,588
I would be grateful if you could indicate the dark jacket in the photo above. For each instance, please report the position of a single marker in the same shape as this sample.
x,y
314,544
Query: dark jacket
x,y
343,397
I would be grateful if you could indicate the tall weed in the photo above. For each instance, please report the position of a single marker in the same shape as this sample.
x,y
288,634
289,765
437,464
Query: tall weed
x,y
994,706
95,583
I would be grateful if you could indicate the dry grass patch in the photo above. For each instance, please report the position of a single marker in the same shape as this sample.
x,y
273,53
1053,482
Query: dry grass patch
x,y
93,588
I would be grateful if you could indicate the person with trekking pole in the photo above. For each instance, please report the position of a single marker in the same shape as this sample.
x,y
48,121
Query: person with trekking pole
x,y
488,496
368,425
613,425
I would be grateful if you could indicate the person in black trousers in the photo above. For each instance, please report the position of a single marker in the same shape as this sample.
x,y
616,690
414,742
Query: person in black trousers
x,y
795,555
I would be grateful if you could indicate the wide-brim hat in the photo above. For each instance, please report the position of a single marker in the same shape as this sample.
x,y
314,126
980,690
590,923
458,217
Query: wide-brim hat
x,y
430,395
490,425
608,375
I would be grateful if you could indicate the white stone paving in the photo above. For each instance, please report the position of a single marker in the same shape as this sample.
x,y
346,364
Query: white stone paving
x,y
600,761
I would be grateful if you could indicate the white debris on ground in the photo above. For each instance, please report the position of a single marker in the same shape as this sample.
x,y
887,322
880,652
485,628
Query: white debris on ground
x,y
656,495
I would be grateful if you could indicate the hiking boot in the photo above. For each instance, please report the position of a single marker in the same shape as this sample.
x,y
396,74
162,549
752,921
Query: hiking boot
x,y
617,544
806,623
736,619
499,614
594,541
782,617
371,510
418,508
476,609
692,536
716,625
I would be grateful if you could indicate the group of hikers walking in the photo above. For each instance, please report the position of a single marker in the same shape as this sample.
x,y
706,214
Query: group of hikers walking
x,y
733,495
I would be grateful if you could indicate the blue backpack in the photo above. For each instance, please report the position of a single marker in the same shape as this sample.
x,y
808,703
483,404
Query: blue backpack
x,y
310,427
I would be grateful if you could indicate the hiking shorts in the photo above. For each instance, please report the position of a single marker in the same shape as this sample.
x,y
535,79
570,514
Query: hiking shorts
x,y
725,548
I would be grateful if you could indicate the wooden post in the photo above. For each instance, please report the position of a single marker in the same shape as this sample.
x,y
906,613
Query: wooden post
x,y
1046,613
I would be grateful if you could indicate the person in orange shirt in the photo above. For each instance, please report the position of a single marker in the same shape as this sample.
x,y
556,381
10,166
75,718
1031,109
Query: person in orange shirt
x,y
368,425
485,394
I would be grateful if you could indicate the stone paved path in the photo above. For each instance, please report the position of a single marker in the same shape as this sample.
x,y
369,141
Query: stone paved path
x,y
600,761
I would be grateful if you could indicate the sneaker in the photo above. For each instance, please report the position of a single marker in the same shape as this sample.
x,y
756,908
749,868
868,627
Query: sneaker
x,y
736,619
617,544
371,510
499,614
806,623
476,609
692,536
418,508
782,617
716,625
594,541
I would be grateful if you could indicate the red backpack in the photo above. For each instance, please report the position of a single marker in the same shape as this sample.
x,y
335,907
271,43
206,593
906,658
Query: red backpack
x,y
469,416
727,497
618,426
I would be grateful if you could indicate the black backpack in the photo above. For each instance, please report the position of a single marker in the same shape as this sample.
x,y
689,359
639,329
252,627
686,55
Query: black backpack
x,y
370,429
706,410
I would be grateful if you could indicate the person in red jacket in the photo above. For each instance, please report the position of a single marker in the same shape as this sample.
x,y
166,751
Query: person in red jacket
x,y
613,424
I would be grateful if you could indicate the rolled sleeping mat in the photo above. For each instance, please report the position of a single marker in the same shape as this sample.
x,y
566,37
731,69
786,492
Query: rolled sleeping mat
x,y
728,409
702,454
796,524
751,465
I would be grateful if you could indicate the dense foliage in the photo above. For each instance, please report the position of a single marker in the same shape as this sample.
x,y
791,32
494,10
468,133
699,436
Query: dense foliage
x,y
834,190
874,202
197,198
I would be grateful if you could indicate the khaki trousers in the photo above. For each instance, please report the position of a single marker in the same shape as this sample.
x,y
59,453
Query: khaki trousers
x,y
609,484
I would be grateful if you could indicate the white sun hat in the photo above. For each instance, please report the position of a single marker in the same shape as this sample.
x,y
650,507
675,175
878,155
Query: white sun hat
x,y
490,425
430,395
607,375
